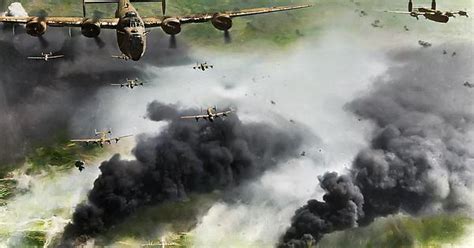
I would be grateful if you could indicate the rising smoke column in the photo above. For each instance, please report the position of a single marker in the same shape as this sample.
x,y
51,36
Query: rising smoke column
x,y
421,157
186,157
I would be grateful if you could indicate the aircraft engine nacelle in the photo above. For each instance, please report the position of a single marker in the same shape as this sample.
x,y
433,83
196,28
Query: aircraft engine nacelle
x,y
171,26
222,22
36,27
90,28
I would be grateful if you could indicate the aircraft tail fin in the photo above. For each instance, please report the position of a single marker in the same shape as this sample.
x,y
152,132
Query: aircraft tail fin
x,y
433,5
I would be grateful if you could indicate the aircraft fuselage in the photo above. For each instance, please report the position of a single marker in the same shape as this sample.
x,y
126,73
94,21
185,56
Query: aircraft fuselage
x,y
434,15
437,17
131,33
211,114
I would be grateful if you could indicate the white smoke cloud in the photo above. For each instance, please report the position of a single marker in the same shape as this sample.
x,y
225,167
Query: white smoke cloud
x,y
305,88
15,9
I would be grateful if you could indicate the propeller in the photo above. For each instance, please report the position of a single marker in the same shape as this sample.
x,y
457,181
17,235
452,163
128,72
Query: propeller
x,y
172,41
227,38
414,15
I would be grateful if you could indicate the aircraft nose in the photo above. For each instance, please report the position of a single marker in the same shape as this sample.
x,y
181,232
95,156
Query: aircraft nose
x,y
136,46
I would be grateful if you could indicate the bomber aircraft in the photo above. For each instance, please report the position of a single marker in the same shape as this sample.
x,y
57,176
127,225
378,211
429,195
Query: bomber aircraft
x,y
46,56
202,66
211,114
102,137
130,27
130,83
431,13
424,44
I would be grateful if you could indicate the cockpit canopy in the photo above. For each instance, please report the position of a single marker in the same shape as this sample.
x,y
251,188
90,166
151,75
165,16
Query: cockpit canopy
x,y
132,22
131,14
135,23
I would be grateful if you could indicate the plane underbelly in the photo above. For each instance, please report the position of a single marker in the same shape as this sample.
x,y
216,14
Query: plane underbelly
x,y
122,42
438,18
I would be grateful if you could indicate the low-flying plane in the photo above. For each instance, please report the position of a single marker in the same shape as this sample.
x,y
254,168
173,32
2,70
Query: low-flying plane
x,y
130,27
211,114
202,66
79,165
101,138
432,13
130,83
46,56
424,44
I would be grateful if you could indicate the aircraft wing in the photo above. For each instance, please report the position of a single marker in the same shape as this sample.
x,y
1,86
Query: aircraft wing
x,y
121,137
194,116
197,18
224,113
85,140
56,56
459,13
107,23
397,12
39,58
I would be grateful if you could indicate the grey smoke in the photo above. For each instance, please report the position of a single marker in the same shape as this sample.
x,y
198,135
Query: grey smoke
x,y
421,157
186,157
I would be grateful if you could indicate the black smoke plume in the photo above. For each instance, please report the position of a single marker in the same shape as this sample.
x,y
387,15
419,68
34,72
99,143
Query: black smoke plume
x,y
186,157
38,99
421,157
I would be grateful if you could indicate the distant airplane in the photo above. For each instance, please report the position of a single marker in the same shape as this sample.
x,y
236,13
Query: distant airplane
x,y
469,85
46,56
130,27
424,44
376,24
202,66
430,13
211,115
103,138
79,165
130,83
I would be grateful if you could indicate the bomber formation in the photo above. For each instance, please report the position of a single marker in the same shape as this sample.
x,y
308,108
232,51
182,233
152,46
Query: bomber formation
x,y
131,28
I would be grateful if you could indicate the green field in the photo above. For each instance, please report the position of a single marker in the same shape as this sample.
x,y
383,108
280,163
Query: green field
x,y
402,231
